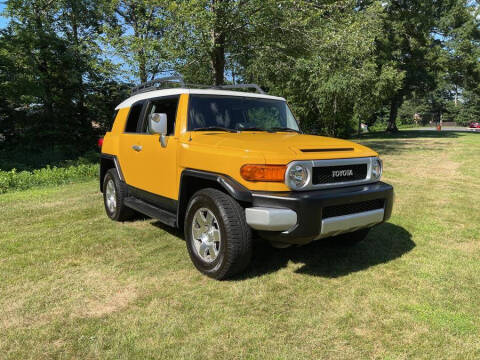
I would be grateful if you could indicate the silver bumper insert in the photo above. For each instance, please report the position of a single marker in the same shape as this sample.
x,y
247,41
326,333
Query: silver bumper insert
x,y
270,219
348,223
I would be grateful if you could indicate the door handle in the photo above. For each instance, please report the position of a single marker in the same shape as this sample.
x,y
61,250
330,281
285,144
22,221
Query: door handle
x,y
137,148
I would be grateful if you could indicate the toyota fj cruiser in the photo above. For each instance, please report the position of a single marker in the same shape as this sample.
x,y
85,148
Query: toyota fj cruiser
x,y
223,164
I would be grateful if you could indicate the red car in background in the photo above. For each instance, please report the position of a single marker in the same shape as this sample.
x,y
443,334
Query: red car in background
x,y
474,125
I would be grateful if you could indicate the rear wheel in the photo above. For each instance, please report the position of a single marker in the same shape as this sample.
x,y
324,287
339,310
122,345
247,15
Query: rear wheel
x,y
219,241
114,193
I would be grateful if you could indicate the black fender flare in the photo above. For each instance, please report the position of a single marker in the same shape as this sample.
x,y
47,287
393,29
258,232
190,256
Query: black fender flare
x,y
225,182
106,161
232,187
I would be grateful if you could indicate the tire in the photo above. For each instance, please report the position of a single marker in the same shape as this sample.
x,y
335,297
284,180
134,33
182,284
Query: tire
x,y
352,238
225,218
118,212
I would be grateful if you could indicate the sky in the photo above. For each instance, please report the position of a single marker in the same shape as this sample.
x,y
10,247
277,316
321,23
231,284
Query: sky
x,y
3,20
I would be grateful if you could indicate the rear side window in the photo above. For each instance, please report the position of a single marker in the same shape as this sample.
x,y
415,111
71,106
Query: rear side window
x,y
133,118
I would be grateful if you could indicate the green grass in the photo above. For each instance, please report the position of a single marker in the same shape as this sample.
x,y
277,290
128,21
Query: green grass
x,y
74,284
14,180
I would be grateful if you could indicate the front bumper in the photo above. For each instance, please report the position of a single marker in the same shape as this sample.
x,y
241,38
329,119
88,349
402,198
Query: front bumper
x,y
298,217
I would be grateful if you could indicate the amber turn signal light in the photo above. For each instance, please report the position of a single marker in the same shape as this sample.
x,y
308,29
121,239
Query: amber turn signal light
x,y
270,173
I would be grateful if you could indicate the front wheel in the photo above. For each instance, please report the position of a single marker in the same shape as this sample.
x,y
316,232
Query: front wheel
x,y
219,241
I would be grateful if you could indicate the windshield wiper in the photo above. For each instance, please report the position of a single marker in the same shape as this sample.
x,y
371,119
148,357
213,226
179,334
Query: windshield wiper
x,y
253,128
286,129
216,128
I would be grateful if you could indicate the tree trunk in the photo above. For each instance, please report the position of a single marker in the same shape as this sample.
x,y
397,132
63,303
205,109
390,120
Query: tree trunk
x,y
218,63
79,72
392,121
142,67
43,68
218,44
142,60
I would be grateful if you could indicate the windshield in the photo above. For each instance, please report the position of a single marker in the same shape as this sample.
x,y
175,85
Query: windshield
x,y
236,113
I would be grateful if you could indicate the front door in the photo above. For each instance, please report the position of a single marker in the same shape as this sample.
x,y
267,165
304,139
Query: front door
x,y
148,167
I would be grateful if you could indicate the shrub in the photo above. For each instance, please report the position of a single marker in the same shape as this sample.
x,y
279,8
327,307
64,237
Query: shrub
x,y
14,180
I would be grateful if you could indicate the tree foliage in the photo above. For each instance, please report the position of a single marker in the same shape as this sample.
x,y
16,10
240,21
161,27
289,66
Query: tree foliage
x,y
53,67
65,64
136,30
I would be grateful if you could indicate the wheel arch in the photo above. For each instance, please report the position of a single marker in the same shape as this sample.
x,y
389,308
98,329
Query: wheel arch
x,y
192,181
108,162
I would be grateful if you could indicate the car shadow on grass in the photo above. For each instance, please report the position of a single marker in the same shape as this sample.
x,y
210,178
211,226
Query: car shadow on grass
x,y
325,258
412,134
171,230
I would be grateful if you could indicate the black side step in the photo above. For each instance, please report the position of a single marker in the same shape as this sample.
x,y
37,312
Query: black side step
x,y
152,211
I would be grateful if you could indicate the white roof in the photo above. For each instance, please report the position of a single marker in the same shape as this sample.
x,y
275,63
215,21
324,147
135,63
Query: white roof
x,y
177,91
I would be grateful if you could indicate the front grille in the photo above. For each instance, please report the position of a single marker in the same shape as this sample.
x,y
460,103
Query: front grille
x,y
337,174
348,209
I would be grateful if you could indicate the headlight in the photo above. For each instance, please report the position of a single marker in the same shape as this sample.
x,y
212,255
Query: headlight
x,y
297,177
377,169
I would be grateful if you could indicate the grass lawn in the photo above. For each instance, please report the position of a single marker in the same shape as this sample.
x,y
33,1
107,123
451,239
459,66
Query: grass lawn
x,y
74,284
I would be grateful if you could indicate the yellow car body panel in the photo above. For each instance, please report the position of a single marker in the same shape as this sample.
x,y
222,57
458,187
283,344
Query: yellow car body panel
x,y
158,170
152,169
226,153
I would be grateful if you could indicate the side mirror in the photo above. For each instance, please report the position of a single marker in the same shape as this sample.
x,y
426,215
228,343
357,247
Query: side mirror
x,y
157,124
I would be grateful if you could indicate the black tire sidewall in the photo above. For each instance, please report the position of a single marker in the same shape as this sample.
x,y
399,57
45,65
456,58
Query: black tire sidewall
x,y
204,201
111,176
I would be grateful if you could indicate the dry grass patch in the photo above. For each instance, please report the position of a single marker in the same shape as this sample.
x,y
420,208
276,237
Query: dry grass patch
x,y
113,302
75,294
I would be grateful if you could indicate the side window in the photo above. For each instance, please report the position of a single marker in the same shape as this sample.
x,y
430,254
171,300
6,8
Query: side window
x,y
163,106
133,118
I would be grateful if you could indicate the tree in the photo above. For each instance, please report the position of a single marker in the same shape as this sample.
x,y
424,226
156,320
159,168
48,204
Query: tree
x,y
13,83
56,57
209,35
136,31
460,33
408,45
327,67
455,70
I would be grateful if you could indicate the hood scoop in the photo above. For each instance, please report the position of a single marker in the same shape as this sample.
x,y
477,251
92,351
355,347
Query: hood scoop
x,y
325,150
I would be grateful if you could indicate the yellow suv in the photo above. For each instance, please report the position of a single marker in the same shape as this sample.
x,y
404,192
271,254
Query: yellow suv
x,y
223,164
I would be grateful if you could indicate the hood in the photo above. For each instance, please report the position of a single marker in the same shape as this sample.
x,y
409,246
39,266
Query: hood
x,y
283,147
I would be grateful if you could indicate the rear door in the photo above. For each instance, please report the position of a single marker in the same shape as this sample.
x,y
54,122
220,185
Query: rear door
x,y
131,146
